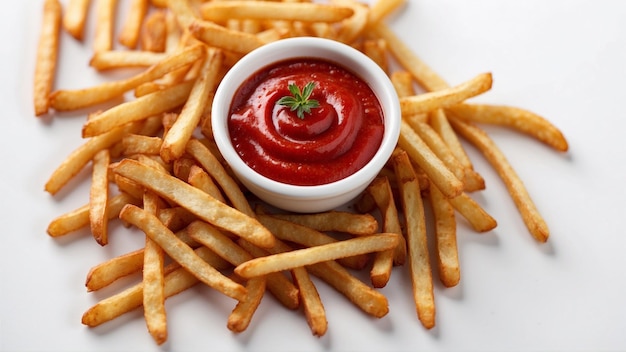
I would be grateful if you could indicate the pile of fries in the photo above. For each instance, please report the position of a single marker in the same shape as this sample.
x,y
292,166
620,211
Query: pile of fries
x,y
155,165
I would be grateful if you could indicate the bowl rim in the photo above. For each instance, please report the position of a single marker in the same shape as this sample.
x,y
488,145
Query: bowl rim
x,y
303,47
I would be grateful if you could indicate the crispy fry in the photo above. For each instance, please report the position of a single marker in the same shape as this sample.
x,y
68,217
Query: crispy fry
x,y
419,263
223,38
47,54
181,252
154,32
200,179
445,239
443,98
351,28
283,11
137,110
79,218
153,279
179,134
472,212
339,221
436,170
308,237
112,59
516,118
105,18
197,202
140,144
75,17
107,272
312,255
76,99
473,181
99,197
532,218
240,317
129,35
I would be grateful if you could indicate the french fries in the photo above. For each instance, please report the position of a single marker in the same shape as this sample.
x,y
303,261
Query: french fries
x,y
47,52
156,166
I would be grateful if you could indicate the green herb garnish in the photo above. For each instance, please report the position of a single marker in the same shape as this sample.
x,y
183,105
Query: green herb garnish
x,y
300,102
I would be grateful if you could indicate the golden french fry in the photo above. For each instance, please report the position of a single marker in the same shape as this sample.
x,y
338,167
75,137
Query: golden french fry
x,y
312,255
224,38
179,134
380,191
181,253
176,218
183,11
75,17
99,197
47,54
338,221
212,166
283,289
532,218
439,122
283,11
141,144
153,279
516,118
76,99
439,147
308,237
177,279
436,170
422,103
376,49
129,35
200,179
105,21
154,33
311,302
419,262
137,110
197,202
366,298
473,213
239,319
79,218
445,239
106,60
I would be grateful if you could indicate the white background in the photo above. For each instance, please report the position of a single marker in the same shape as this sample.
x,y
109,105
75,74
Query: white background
x,y
565,60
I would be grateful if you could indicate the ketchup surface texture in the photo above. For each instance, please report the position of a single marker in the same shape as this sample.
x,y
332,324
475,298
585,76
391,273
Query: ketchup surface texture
x,y
332,142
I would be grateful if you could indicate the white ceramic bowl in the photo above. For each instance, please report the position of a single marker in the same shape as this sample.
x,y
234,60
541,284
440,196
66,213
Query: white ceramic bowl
x,y
306,198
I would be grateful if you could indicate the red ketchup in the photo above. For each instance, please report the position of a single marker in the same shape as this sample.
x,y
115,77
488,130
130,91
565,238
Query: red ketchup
x,y
328,144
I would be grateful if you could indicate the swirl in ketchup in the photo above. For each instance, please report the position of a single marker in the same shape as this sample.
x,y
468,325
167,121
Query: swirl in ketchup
x,y
332,142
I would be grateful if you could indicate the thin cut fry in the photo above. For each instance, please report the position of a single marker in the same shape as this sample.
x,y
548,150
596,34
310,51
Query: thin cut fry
x,y
339,221
443,98
129,35
75,17
105,18
99,197
106,60
532,218
445,239
516,118
312,255
436,170
179,134
223,38
47,53
480,220
240,317
283,11
154,32
419,262
200,179
181,252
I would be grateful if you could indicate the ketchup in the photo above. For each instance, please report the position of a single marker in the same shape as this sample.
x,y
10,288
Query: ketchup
x,y
333,141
